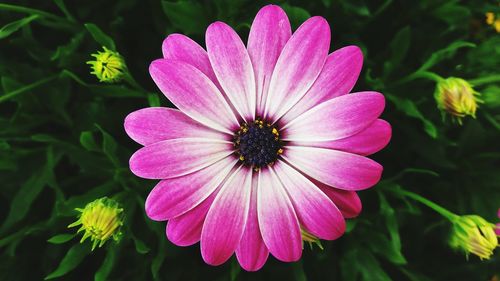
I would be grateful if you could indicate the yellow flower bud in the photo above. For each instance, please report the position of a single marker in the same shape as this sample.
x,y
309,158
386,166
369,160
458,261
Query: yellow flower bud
x,y
108,66
101,220
473,234
490,18
457,97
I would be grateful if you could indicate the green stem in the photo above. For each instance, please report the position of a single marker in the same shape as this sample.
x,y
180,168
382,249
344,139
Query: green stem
x,y
21,9
27,88
131,81
442,211
420,74
485,80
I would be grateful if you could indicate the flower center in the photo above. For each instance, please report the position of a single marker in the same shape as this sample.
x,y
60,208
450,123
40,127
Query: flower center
x,y
258,144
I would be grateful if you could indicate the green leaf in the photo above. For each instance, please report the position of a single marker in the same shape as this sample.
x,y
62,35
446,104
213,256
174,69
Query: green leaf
x,y
410,108
153,100
61,238
109,146
297,15
452,13
158,260
71,260
107,265
64,9
14,26
189,17
140,247
359,262
445,53
381,245
392,253
88,142
100,37
399,48
29,191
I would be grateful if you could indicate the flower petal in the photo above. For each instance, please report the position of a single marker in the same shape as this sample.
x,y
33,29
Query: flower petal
x,y
154,124
173,197
347,201
316,212
268,35
252,253
337,78
226,219
298,65
233,68
366,142
182,48
335,168
194,94
277,219
337,118
185,230
177,157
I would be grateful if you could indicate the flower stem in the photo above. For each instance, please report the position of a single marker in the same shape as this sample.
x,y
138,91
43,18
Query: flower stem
x,y
485,80
439,209
21,9
27,88
420,74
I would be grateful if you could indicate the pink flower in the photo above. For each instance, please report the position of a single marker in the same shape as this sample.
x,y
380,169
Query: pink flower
x,y
267,140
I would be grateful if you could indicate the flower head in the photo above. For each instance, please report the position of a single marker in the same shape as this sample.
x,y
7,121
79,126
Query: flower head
x,y
493,20
267,143
457,97
497,226
474,235
101,220
108,66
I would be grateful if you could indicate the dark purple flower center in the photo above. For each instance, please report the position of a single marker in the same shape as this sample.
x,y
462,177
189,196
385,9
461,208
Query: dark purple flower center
x,y
258,144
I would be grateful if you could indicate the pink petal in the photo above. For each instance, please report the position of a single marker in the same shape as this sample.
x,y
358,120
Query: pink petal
x,y
269,32
173,197
252,253
182,48
194,94
233,68
298,65
185,230
154,124
366,142
317,213
177,157
335,168
337,118
337,78
277,219
347,201
226,219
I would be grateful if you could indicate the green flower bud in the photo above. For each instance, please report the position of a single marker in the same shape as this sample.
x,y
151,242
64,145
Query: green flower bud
x,y
108,66
474,235
101,220
457,97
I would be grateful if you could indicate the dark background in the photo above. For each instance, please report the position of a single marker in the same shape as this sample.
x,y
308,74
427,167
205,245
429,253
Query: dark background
x,y
62,142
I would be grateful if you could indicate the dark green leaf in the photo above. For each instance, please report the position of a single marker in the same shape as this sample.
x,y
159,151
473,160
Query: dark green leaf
x,y
189,17
60,238
409,108
71,260
107,265
14,26
297,15
100,37
87,140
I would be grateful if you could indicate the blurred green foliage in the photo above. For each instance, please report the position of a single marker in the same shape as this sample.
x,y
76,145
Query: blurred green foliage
x,y
62,144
